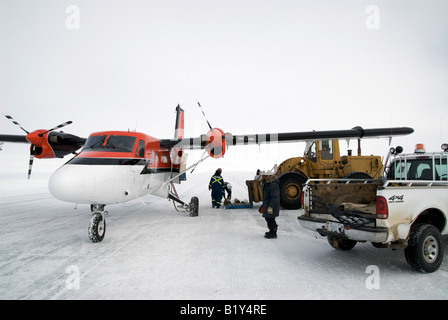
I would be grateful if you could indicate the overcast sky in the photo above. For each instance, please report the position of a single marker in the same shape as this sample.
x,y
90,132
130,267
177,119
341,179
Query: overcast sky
x,y
254,65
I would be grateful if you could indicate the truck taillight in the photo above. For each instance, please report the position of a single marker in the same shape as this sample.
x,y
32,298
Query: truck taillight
x,y
302,198
382,210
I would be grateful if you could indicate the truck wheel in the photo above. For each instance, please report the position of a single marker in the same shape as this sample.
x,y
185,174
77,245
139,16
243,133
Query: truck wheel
x,y
341,244
424,252
291,190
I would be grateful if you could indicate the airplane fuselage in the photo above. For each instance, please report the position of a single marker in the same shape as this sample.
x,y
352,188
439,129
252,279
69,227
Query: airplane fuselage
x,y
114,167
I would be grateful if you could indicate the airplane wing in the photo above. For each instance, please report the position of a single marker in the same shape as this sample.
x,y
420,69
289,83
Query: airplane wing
x,y
13,138
248,139
354,133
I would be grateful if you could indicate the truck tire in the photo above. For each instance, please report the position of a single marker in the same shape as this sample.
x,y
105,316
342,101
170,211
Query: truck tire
x,y
424,252
291,185
341,244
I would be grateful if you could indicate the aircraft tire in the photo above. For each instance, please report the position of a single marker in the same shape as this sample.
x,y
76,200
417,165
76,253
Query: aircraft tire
x,y
97,227
194,207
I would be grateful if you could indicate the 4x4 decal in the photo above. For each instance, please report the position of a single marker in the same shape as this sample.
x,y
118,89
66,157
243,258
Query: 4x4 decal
x,y
396,199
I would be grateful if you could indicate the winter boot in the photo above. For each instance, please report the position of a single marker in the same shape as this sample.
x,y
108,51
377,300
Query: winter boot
x,y
272,234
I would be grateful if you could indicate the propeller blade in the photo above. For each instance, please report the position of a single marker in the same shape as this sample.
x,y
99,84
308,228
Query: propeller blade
x,y
57,127
30,166
15,122
204,115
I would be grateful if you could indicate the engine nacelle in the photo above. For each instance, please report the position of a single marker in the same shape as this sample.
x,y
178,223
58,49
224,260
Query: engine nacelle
x,y
216,143
53,144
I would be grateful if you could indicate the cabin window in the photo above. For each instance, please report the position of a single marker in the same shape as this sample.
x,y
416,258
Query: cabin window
x,y
164,158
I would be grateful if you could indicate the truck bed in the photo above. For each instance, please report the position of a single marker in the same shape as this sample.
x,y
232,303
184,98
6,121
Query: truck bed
x,y
342,194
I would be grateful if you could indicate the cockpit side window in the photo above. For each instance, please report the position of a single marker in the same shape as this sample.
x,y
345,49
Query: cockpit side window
x,y
140,151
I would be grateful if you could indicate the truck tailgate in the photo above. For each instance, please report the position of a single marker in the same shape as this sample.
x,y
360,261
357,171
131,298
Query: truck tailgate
x,y
343,231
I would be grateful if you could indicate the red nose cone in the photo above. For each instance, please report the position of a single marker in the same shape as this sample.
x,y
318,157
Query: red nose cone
x,y
216,143
36,137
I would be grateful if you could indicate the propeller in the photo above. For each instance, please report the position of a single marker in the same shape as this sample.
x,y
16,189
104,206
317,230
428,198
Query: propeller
x,y
36,138
215,139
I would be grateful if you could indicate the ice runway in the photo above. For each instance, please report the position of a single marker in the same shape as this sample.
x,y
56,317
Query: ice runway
x,y
153,252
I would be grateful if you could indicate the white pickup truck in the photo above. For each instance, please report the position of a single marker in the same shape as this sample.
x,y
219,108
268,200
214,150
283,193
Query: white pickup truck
x,y
406,209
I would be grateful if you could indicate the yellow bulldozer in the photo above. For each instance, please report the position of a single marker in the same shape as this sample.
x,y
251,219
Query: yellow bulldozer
x,y
321,160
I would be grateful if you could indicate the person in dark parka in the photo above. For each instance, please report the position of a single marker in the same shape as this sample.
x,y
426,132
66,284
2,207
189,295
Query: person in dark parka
x,y
216,185
271,206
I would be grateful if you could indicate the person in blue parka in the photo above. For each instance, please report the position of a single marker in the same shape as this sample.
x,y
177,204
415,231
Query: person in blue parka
x,y
216,185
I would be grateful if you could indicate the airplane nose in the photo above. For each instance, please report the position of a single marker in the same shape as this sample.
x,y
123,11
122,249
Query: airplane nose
x,y
93,184
72,183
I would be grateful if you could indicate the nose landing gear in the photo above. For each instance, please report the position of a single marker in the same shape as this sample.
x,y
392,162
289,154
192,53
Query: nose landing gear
x,y
97,226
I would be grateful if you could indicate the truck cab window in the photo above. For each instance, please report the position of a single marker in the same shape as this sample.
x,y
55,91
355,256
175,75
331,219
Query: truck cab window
x,y
424,172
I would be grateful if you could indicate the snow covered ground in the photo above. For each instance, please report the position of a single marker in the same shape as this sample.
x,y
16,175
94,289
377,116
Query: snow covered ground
x,y
153,252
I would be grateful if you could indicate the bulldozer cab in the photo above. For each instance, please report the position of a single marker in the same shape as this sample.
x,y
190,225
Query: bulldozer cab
x,y
322,154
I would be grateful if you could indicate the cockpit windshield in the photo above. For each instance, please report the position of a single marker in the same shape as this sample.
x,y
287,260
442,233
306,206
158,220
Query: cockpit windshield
x,y
94,142
110,143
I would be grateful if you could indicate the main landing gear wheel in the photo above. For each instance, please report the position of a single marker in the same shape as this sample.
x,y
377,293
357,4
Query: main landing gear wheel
x,y
194,207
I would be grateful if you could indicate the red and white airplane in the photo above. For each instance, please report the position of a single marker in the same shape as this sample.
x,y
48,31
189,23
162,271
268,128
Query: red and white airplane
x,y
119,166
